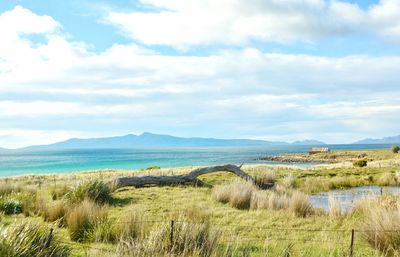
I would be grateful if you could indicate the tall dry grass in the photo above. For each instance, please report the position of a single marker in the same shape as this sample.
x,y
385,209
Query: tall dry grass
x,y
300,205
27,239
389,179
381,226
245,195
190,238
83,218
335,211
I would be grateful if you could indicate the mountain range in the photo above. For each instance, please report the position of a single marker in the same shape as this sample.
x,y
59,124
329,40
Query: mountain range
x,y
150,140
385,140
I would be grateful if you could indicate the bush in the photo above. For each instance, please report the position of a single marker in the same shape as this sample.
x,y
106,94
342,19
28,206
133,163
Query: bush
x,y
83,219
28,239
96,191
152,168
360,163
395,149
10,206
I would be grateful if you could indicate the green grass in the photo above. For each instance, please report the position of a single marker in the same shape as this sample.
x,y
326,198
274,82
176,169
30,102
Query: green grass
x,y
136,213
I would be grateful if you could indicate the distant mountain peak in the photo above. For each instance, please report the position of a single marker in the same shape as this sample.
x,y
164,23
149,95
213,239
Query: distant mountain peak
x,y
148,140
385,140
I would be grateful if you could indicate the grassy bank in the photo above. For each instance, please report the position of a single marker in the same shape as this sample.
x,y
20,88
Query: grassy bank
x,y
230,219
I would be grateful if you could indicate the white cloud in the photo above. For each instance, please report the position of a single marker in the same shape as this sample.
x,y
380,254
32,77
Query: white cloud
x,y
60,85
188,23
385,17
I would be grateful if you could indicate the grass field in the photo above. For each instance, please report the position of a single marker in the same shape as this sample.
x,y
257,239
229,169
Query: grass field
x,y
89,220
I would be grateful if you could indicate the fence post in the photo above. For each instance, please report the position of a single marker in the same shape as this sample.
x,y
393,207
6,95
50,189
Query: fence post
x,y
171,235
49,238
352,243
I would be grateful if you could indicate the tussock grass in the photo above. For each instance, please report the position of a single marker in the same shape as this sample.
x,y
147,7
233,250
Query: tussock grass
x,y
131,226
389,179
97,191
267,177
289,181
55,212
381,225
241,194
27,239
335,211
300,205
245,195
58,192
83,218
190,238
7,187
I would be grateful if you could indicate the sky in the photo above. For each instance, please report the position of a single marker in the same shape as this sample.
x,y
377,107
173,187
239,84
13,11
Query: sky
x,y
261,69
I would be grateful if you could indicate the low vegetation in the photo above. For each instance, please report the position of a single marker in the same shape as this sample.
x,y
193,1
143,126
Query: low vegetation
x,y
360,163
395,149
90,219
245,195
97,191
27,239
381,225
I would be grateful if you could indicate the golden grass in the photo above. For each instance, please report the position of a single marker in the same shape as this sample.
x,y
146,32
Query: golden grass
x,y
245,195
382,227
82,219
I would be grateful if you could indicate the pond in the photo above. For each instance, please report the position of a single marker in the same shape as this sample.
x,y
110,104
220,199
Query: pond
x,y
346,198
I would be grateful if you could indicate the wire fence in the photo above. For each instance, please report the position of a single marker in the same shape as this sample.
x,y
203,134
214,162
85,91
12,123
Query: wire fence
x,y
345,239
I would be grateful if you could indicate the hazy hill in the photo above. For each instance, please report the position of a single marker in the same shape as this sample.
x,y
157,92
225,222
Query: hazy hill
x,y
148,140
385,140
309,142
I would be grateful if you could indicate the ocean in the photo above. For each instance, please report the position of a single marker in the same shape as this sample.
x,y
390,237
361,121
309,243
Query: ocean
x,y
16,162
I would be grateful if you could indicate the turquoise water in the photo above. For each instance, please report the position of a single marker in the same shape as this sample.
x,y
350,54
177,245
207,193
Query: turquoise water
x,y
27,162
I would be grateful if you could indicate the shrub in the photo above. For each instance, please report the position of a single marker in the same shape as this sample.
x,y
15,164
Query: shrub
x,y
395,149
28,239
381,228
83,218
152,168
10,206
360,163
96,191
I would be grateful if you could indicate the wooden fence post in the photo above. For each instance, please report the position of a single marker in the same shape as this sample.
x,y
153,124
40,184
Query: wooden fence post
x,y
171,235
352,243
49,238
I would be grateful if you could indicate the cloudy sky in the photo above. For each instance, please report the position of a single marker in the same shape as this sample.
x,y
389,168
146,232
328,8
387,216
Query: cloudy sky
x,y
265,69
